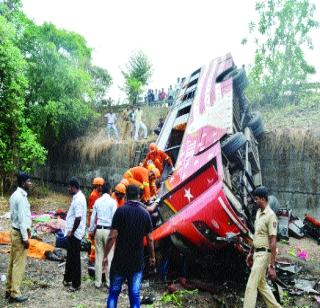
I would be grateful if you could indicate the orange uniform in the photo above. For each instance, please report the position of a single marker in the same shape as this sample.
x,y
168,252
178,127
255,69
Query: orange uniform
x,y
91,200
120,202
157,157
139,176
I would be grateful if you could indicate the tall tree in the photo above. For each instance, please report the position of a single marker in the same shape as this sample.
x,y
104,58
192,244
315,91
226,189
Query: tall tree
x,y
281,34
63,84
101,81
19,145
137,75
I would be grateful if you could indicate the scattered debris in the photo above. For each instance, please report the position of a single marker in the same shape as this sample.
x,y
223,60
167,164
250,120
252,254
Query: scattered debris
x,y
302,254
288,268
296,227
283,223
312,227
55,255
306,285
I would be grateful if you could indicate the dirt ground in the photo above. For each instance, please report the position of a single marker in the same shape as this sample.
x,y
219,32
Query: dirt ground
x,y
43,279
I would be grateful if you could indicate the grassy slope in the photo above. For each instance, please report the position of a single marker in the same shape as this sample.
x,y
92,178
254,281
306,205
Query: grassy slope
x,y
305,115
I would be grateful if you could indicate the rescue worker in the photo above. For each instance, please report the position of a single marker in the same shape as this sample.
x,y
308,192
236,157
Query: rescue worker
x,y
125,182
119,194
95,194
262,256
97,184
142,177
154,184
157,157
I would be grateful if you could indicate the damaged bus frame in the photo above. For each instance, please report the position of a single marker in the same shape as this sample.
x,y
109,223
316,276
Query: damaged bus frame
x,y
211,136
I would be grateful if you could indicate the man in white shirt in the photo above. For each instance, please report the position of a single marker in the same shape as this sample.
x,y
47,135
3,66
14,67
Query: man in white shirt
x,y
21,224
75,230
101,219
139,124
111,124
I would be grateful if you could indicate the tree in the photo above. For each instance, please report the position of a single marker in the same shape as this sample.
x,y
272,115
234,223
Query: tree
x,y
137,75
101,81
49,89
63,87
281,35
19,145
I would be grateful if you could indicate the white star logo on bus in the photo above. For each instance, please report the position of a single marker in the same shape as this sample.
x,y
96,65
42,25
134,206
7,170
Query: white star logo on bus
x,y
187,194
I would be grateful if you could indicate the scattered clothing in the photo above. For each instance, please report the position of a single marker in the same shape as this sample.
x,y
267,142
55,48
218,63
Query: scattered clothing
x,y
36,248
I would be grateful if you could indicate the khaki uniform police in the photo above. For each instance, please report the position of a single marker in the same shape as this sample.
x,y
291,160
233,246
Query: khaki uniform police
x,y
21,223
265,226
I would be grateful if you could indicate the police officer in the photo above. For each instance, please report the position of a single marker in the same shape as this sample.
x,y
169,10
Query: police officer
x,y
21,224
262,256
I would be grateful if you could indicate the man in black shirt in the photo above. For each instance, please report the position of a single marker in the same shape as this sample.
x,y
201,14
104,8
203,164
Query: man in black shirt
x,y
130,224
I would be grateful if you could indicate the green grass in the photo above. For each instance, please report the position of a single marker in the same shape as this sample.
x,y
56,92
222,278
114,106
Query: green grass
x,y
305,115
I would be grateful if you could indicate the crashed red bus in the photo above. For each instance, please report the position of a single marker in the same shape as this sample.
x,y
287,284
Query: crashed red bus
x,y
210,134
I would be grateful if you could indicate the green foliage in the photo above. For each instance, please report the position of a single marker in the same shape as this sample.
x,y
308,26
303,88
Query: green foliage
x,y
281,34
101,81
137,75
61,85
49,89
177,297
19,146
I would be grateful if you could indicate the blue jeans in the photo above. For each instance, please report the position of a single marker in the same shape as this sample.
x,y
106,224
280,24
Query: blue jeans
x,y
134,284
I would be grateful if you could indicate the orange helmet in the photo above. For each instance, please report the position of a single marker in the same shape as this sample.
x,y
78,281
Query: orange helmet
x,y
152,147
98,181
156,172
120,188
125,182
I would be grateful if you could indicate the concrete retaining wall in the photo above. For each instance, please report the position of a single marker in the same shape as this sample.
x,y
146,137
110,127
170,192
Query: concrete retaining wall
x,y
290,162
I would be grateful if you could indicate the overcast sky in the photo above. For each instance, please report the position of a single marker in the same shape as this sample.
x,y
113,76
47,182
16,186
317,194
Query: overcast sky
x,y
178,36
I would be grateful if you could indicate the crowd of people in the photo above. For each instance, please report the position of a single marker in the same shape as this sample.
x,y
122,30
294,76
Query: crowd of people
x,y
156,97
118,220
123,215
134,127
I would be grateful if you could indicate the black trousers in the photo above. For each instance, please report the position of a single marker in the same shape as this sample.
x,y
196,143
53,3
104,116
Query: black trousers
x,y
73,263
